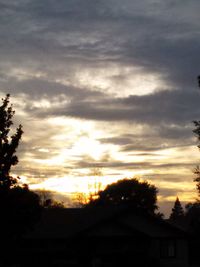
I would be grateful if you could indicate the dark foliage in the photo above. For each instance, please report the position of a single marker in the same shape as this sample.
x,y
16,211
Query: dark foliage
x,y
198,80
177,215
193,209
47,201
193,217
20,210
197,179
139,195
177,211
19,207
196,131
8,144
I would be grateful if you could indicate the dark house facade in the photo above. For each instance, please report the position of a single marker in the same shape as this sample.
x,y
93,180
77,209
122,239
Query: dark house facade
x,y
103,237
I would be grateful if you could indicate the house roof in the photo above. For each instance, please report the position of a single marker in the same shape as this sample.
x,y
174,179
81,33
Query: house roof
x,y
66,223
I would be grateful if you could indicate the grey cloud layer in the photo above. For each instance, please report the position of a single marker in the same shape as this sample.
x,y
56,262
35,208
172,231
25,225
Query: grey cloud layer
x,y
167,114
60,38
76,32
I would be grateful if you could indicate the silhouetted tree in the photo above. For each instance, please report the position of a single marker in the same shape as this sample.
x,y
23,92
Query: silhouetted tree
x,y
192,214
132,192
177,214
19,207
80,199
198,80
8,144
193,209
196,131
19,211
197,169
197,179
47,201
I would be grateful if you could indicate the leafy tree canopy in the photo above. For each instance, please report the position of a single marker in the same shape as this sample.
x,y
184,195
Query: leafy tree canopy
x,y
196,131
19,207
137,194
8,144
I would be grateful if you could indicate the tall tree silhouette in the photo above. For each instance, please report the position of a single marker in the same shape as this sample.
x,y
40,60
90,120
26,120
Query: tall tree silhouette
x,y
8,144
19,207
193,209
196,131
197,169
177,214
132,192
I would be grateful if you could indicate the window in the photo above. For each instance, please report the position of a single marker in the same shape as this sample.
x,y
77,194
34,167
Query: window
x,y
168,248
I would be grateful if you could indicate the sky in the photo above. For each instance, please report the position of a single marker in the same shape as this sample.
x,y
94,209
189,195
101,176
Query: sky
x,y
104,89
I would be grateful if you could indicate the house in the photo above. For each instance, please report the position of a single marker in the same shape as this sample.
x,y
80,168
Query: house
x,y
114,236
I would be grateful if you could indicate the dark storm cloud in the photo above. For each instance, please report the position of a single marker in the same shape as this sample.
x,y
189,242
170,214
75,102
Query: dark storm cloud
x,y
155,146
166,108
38,173
34,88
162,138
113,164
176,136
89,30
130,165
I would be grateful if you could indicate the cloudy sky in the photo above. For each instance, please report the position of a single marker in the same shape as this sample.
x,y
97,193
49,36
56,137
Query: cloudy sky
x,y
105,85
